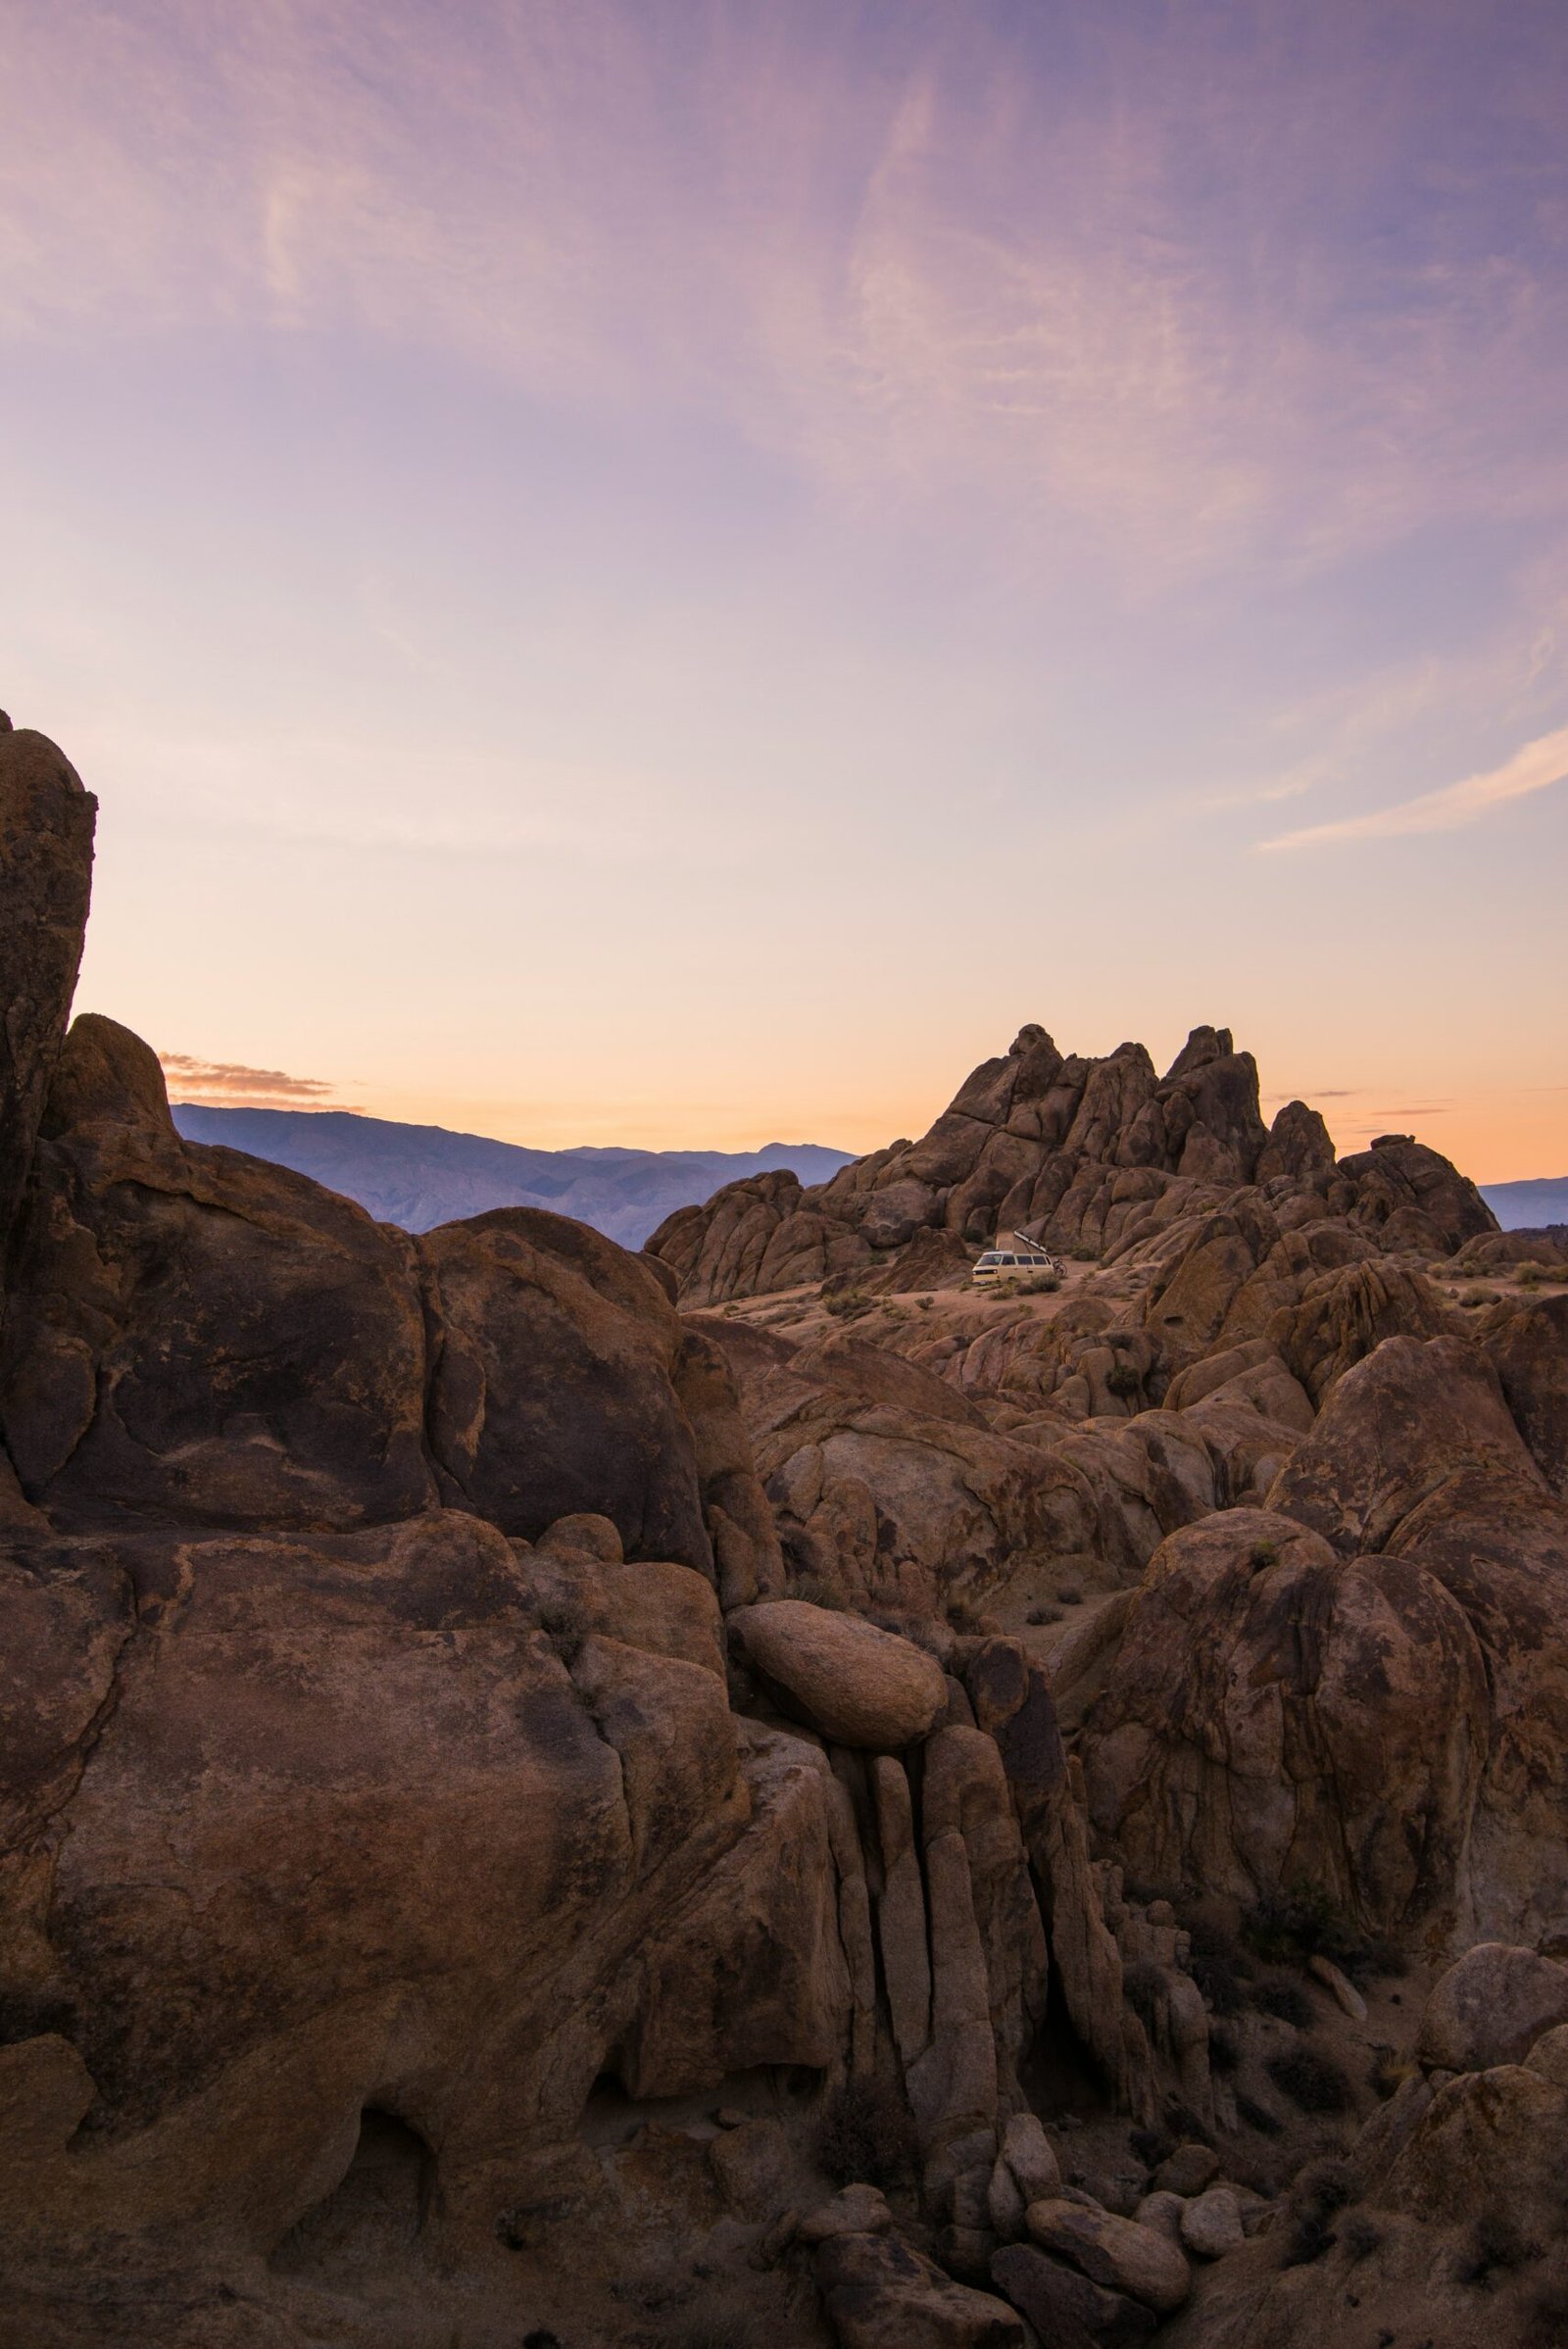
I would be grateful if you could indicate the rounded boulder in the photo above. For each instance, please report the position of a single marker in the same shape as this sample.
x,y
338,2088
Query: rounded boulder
x,y
853,1682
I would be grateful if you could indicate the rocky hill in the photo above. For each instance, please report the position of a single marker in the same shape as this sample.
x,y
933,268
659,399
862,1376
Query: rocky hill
x,y
422,1176
1103,1155
561,1797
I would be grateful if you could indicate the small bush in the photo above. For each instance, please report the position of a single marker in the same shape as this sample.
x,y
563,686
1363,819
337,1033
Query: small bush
x,y
1043,1614
818,1591
1123,1380
925,1304
1263,1556
866,2135
1312,2081
1480,1297
1289,1926
1389,2073
1257,2117
1084,1255
1277,1995
1322,2188
1151,2146
848,1304
565,1615
1070,1596
1041,1284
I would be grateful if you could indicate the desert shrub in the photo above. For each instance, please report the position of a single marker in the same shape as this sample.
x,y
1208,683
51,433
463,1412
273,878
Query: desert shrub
x,y
1289,1926
1389,2073
1043,1614
925,1304
1070,1596
1530,1276
850,1305
1084,1255
1122,1380
565,1615
1319,2193
1322,2188
1286,2000
819,1591
1224,2051
1312,2081
1258,2116
1151,2146
1144,1989
866,2135
1263,1556
1481,1296
1493,2247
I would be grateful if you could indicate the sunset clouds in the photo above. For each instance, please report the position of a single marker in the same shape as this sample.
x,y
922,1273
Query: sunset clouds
x,y
505,490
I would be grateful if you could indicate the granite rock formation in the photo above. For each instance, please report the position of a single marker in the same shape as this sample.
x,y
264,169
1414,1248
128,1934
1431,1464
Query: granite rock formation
x,y
863,1812
1082,1153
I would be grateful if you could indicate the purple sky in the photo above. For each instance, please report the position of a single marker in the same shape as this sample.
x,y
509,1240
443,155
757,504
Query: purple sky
x,y
671,574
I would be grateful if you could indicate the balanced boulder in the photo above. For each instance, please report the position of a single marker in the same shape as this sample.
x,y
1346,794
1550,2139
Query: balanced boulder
x,y
857,1685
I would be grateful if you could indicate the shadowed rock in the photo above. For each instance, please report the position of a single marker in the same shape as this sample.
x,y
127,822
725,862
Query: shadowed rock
x,y
46,829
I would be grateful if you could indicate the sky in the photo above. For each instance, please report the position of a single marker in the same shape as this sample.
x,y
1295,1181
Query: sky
x,y
672,573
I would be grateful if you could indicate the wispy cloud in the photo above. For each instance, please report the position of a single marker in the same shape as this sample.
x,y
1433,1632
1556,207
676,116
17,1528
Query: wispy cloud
x,y
230,1084
948,266
1536,767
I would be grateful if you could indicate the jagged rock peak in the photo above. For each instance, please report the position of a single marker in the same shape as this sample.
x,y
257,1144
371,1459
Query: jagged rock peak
x,y
1028,1036
1203,1046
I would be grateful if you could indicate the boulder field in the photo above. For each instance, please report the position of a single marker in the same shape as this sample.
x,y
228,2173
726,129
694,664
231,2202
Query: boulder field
x,y
553,1799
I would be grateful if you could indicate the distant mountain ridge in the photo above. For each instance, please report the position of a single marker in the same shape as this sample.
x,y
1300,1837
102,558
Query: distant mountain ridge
x,y
1531,1205
422,1176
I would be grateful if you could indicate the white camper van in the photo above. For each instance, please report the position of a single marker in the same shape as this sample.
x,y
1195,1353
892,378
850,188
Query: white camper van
x,y
1014,1258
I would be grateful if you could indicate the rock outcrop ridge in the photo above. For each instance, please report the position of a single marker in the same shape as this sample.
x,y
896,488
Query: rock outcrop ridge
x,y
1081,1152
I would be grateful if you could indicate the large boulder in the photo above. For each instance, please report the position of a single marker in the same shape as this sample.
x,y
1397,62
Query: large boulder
x,y
193,1334
1528,1349
1064,2306
1116,2253
880,2293
407,1857
1403,1424
1273,1714
856,1684
1491,2007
